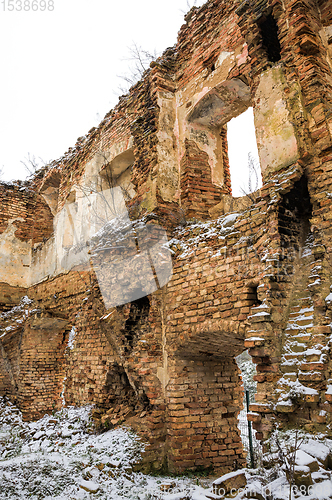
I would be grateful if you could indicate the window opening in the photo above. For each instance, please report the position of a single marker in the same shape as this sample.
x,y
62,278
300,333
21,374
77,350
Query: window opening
x,y
269,32
244,165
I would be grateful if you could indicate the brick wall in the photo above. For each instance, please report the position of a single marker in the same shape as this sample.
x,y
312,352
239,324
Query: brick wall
x,y
19,202
198,193
204,397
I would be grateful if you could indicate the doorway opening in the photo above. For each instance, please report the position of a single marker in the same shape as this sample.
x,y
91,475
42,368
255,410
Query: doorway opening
x,y
248,435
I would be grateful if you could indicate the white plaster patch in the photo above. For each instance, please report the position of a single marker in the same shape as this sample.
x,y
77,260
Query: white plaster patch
x,y
222,57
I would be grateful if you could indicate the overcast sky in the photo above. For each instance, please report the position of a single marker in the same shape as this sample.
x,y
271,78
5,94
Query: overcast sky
x,y
60,68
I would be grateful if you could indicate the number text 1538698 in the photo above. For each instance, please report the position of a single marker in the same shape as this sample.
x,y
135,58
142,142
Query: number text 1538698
x,y
27,5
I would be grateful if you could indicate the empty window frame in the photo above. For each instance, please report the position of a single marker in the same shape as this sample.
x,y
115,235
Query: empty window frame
x,y
243,156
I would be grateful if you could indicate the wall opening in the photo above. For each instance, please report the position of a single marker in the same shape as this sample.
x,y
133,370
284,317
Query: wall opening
x,y
139,312
270,39
121,396
118,385
245,170
295,212
248,371
114,187
253,296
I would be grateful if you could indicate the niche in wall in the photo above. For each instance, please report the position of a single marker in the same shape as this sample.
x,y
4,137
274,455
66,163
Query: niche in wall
x,y
270,38
295,212
50,191
139,312
118,171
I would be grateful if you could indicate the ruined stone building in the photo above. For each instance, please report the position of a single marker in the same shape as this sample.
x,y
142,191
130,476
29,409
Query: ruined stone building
x,y
143,316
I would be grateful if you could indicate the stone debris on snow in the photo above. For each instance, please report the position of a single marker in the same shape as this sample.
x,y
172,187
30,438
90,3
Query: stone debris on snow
x,y
60,457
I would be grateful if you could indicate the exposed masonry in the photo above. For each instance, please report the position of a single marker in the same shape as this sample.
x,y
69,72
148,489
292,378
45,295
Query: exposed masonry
x,y
251,272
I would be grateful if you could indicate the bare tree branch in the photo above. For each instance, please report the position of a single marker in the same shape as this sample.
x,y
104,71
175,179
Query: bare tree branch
x,y
103,189
140,59
32,163
253,178
189,5
287,456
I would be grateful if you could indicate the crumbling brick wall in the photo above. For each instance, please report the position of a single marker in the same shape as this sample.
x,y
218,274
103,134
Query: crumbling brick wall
x,y
29,212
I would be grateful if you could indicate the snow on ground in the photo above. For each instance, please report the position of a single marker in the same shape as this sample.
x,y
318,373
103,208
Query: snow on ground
x,y
60,457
